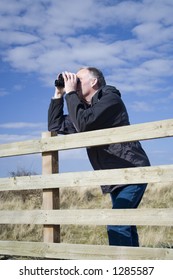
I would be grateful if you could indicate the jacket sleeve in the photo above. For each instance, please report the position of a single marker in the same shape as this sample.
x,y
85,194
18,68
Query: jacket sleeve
x,y
97,116
57,121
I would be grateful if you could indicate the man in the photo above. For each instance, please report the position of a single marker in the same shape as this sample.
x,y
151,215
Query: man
x,y
94,105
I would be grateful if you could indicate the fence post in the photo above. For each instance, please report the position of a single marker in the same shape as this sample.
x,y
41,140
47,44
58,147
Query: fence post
x,y
51,200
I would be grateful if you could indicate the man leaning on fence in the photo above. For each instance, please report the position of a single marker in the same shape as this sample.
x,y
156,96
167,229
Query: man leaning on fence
x,y
92,105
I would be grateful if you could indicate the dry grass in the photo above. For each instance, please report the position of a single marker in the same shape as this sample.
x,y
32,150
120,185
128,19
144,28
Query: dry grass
x,y
156,196
14,200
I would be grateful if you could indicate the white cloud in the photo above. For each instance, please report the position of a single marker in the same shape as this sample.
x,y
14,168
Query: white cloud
x,y
159,67
22,125
160,33
141,106
22,58
18,87
131,41
17,38
3,92
23,131
171,96
47,37
57,34
10,138
64,37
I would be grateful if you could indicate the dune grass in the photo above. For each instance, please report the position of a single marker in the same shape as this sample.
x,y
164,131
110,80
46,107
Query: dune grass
x,y
156,196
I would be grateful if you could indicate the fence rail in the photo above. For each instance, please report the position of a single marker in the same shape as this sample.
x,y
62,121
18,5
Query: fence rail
x,y
51,216
90,217
82,252
154,174
144,131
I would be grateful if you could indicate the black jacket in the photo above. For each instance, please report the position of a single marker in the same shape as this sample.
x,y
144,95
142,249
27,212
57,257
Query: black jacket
x,y
107,110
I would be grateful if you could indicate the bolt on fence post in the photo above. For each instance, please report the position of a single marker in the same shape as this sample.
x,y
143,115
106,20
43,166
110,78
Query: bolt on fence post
x,y
51,199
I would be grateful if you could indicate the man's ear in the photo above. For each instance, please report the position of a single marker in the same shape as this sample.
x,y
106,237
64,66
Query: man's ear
x,y
94,82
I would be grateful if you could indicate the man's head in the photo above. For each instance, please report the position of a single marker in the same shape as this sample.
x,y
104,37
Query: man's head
x,y
91,79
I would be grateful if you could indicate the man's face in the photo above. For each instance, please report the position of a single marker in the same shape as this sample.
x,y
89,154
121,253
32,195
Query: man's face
x,y
84,88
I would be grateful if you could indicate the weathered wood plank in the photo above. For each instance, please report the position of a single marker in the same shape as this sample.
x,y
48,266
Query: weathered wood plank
x,y
83,252
151,217
149,174
143,131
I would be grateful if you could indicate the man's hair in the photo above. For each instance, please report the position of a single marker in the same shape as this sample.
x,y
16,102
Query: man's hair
x,y
96,73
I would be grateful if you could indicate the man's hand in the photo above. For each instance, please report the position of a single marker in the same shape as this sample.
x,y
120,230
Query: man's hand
x,y
70,80
59,91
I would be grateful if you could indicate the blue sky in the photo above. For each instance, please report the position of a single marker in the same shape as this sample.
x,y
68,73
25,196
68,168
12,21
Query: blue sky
x,y
130,41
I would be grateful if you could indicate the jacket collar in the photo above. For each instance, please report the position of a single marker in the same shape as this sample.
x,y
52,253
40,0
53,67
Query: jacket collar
x,y
101,90
96,96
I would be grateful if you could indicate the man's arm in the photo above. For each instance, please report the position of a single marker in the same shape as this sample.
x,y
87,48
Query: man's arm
x,y
100,115
57,121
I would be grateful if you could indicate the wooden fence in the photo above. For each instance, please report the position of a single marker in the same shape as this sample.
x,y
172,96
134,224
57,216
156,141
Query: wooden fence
x,y
52,217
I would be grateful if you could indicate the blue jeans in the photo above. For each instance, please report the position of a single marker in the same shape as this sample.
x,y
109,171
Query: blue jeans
x,y
122,198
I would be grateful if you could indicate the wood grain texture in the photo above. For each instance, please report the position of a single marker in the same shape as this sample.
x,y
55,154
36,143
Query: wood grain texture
x,y
83,252
135,132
